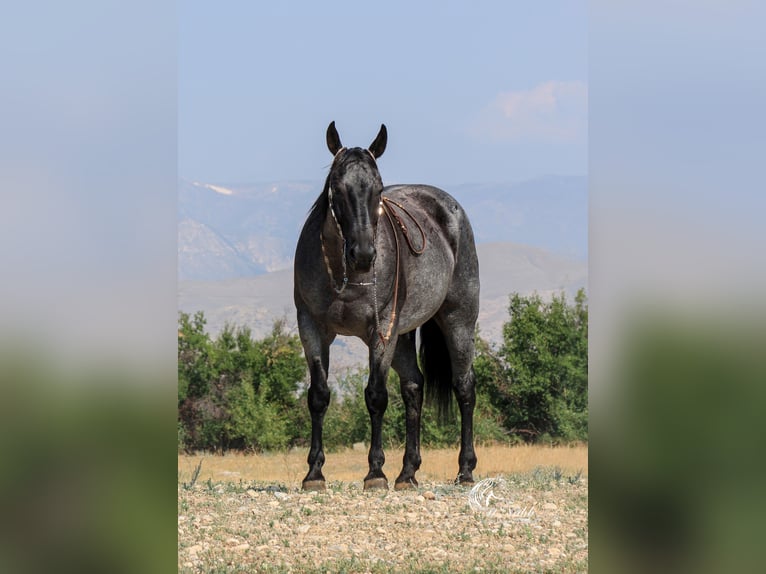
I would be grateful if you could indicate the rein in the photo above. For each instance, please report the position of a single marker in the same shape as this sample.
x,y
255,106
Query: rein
x,y
386,207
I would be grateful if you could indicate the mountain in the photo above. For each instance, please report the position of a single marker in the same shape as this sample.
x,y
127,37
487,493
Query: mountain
x,y
548,212
239,231
503,268
230,231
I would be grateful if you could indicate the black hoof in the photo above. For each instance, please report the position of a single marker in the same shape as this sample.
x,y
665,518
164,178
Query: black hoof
x,y
314,485
464,479
376,483
407,484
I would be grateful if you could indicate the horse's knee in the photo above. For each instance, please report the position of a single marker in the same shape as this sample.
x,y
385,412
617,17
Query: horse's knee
x,y
319,392
376,397
319,398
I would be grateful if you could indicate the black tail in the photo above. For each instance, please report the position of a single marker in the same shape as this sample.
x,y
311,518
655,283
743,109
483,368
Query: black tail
x,y
437,368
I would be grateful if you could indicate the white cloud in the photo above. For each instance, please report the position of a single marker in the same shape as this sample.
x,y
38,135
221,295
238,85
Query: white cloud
x,y
553,111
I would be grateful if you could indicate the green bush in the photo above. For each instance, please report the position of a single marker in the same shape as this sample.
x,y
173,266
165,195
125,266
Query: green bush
x,y
538,379
235,392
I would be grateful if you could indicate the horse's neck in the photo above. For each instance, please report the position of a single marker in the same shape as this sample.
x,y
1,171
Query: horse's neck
x,y
332,246
331,235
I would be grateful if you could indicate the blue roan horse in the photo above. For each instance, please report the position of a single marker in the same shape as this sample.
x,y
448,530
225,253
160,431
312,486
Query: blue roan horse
x,y
378,263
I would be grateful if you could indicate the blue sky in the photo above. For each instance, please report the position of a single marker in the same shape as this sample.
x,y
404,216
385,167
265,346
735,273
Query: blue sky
x,y
479,92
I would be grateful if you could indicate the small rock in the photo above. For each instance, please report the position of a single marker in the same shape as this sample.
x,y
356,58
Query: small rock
x,y
241,547
549,506
556,523
428,495
251,493
421,498
380,530
281,495
304,528
232,541
194,549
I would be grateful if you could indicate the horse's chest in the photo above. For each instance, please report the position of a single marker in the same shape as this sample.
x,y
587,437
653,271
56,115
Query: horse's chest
x,y
346,318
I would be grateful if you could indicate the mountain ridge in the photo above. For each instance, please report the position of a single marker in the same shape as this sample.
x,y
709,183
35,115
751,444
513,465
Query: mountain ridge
x,y
254,227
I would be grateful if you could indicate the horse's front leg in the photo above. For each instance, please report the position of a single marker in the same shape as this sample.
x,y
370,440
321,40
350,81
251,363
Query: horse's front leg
x,y
405,363
376,397
316,347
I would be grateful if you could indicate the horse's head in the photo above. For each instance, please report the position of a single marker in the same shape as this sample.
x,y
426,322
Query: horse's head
x,y
353,190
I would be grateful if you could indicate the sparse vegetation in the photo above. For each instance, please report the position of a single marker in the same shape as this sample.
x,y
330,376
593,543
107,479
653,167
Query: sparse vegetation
x,y
256,530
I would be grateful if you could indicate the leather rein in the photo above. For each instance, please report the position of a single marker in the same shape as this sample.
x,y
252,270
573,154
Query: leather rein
x,y
386,207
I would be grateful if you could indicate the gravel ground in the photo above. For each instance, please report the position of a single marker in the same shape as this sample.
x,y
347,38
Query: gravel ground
x,y
531,522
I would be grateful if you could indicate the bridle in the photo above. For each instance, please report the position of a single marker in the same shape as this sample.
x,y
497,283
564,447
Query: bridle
x,y
386,206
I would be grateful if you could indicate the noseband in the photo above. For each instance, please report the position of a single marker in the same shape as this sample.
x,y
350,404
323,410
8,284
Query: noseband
x,y
385,206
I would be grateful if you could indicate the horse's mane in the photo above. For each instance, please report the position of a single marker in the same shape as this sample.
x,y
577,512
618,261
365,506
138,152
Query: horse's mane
x,y
320,205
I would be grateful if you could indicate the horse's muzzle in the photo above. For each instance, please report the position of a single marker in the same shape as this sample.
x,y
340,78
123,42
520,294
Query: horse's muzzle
x,y
361,256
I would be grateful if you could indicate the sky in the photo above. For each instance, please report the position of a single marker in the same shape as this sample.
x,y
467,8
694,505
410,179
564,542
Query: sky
x,y
480,92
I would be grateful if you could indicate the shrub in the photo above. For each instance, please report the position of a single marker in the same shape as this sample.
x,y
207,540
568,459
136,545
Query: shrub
x,y
538,379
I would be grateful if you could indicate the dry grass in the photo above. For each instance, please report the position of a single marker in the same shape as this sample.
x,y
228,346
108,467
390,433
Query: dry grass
x,y
351,465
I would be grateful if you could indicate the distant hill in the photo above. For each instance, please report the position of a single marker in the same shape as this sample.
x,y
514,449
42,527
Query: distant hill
x,y
549,212
504,268
239,231
244,230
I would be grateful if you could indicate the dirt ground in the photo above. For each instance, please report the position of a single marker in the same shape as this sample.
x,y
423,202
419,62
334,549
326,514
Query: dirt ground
x,y
513,520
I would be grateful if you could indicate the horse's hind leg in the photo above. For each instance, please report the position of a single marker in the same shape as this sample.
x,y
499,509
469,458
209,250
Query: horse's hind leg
x,y
459,336
405,363
464,387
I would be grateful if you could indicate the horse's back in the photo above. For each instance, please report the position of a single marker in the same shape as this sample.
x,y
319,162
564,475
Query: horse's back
x,y
445,213
448,227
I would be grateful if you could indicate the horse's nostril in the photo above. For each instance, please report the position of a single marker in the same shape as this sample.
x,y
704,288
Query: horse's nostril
x,y
361,255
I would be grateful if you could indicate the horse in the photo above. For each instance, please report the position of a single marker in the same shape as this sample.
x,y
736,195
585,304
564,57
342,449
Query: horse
x,y
382,263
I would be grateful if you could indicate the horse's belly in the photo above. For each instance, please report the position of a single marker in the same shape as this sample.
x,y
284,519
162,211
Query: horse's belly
x,y
421,306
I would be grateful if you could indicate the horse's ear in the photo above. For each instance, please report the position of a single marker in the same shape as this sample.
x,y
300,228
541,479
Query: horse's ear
x,y
333,139
379,145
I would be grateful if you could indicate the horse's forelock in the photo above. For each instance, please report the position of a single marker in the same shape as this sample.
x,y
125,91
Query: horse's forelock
x,y
343,160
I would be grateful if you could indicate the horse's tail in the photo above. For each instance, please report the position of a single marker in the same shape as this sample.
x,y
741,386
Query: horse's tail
x,y
437,367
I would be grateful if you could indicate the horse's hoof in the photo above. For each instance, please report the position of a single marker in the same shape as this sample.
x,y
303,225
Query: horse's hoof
x,y
376,483
314,485
464,481
406,484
